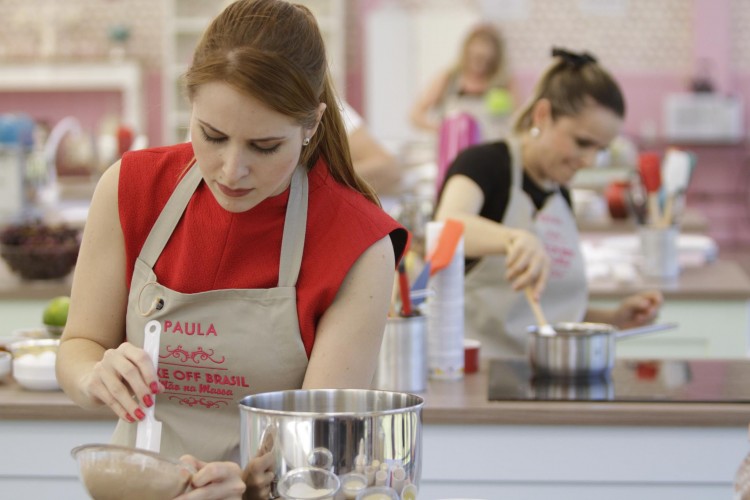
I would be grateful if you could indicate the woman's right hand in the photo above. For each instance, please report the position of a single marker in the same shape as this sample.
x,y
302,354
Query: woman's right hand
x,y
214,481
125,380
527,261
258,476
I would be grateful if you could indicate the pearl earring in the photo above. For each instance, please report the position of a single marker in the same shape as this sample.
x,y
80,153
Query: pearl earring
x,y
306,141
535,131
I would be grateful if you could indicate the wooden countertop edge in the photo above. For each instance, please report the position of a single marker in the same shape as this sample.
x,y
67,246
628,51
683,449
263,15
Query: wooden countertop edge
x,y
19,290
594,414
719,280
672,294
53,413
46,292
502,413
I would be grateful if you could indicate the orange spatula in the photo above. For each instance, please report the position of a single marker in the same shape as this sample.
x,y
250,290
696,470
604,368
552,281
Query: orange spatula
x,y
649,166
441,255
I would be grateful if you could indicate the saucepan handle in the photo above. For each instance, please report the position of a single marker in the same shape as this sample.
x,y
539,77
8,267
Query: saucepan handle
x,y
630,332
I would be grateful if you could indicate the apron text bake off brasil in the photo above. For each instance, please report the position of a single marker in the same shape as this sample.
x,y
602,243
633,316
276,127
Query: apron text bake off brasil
x,y
217,346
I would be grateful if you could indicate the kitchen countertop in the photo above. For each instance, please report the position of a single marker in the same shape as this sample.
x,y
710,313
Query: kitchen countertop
x,y
692,222
718,280
466,402
14,288
448,402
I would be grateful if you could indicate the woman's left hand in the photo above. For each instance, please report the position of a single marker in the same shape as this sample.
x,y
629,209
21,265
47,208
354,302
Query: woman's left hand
x,y
214,480
638,309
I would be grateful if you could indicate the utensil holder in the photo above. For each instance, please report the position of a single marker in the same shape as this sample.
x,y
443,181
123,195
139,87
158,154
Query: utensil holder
x,y
402,363
659,250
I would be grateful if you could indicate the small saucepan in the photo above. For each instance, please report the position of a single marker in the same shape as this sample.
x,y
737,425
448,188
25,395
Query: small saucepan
x,y
580,350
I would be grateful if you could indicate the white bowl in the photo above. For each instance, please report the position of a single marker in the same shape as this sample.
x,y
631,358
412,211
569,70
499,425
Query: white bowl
x,y
31,333
34,364
5,363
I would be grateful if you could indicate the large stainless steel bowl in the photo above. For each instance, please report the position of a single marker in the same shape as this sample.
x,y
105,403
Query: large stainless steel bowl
x,y
340,429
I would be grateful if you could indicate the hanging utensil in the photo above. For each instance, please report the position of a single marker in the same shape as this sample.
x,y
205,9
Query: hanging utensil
x,y
649,167
148,433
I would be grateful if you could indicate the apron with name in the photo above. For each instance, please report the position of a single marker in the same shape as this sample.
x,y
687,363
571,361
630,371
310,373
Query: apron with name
x,y
492,126
498,316
217,346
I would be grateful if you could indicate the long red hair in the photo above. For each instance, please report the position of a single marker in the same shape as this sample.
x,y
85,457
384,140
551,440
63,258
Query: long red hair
x,y
273,50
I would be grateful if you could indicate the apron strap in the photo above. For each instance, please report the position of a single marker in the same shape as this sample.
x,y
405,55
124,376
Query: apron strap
x,y
170,216
295,226
516,170
295,223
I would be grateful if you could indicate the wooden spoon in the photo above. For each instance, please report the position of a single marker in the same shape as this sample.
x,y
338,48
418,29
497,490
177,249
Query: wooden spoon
x,y
544,327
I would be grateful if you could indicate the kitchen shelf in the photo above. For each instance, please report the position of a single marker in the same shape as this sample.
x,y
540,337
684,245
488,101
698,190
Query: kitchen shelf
x,y
125,77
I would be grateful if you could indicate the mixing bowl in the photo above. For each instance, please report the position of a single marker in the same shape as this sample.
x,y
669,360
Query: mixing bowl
x,y
361,429
5,361
34,363
112,472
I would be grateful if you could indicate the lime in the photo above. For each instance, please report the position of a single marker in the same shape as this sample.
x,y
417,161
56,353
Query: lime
x,y
56,312
499,101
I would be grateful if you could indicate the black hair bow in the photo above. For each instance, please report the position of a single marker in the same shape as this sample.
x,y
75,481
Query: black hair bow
x,y
577,60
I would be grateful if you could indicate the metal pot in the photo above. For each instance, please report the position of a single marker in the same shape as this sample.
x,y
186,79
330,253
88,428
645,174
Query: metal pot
x,y
342,430
580,350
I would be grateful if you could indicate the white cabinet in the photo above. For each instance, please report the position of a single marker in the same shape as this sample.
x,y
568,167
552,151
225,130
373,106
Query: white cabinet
x,y
460,461
186,20
580,462
36,461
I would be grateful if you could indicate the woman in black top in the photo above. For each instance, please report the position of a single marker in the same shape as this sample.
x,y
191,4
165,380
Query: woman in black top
x,y
519,226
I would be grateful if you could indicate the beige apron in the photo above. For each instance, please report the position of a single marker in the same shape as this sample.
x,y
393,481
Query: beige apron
x,y
217,346
492,126
498,316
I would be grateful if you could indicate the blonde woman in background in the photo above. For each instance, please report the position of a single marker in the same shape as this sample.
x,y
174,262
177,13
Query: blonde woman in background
x,y
478,84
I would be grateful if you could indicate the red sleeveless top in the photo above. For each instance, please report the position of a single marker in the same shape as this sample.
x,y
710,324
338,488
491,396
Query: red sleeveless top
x,y
213,249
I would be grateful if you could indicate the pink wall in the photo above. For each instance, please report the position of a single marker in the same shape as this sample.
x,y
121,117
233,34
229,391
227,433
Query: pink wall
x,y
88,107
644,96
712,33
51,107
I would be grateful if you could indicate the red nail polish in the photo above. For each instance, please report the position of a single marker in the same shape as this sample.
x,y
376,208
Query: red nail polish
x,y
148,401
139,414
129,418
154,388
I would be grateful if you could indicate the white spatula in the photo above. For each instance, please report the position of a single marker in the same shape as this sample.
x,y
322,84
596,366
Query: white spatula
x,y
675,177
148,433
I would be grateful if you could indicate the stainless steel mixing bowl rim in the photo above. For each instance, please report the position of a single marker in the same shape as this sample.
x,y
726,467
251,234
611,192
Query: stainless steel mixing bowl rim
x,y
298,413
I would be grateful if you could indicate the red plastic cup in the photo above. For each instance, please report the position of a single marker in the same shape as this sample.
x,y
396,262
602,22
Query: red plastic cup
x,y
471,355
